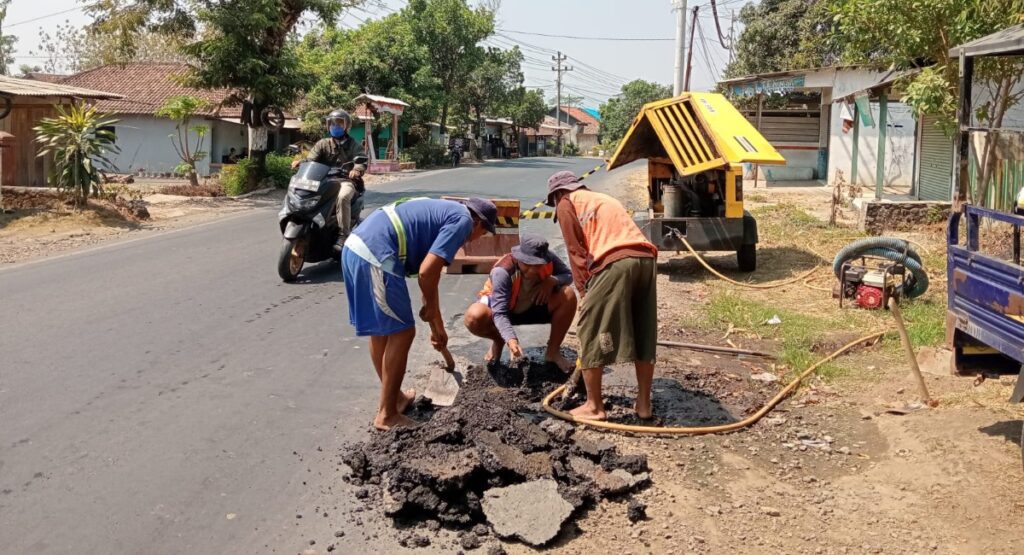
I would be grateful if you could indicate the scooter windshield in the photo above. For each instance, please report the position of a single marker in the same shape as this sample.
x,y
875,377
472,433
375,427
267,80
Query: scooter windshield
x,y
312,171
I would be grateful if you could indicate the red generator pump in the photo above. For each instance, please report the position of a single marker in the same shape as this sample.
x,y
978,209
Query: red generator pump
x,y
870,282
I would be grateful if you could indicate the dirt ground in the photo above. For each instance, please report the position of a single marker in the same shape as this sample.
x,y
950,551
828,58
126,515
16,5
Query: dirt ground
x,y
851,463
40,225
831,470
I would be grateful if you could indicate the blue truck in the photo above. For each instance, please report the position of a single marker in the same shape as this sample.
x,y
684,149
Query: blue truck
x,y
985,311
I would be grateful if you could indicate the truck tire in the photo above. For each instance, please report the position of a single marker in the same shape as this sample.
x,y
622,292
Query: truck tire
x,y
746,258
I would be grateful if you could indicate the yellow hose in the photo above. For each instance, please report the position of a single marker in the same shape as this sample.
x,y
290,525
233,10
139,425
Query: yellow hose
x,y
600,424
740,283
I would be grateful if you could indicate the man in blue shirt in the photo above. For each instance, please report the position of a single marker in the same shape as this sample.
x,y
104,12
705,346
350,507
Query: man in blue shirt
x,y
528,286
418,237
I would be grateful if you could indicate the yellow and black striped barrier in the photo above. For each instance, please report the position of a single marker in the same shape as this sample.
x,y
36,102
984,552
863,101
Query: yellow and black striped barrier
x,y
537,215
534,214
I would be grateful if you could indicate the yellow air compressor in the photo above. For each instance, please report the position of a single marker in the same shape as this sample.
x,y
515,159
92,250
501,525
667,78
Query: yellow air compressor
x,y
695,145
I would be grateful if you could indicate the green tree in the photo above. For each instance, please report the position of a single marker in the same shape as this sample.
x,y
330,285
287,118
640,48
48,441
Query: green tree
x,y
79,140
451,31
525,107
24,70
68,49
904,34
783,34
246,46
618,113
381,57
6,41
490,83
181,110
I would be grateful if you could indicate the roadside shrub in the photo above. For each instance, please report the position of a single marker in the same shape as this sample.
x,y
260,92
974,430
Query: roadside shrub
x,y
571,149
279,169
424,154
206,189
79,139
234,178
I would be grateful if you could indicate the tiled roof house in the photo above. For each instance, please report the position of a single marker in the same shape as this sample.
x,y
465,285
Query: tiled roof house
x,y
584,126
143,137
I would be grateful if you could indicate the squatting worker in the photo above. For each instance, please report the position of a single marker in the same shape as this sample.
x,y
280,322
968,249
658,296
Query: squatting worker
x,y
613,267
528,286
414,238
335,151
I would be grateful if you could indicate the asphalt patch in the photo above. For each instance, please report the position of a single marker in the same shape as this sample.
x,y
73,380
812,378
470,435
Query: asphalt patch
x,y
494,437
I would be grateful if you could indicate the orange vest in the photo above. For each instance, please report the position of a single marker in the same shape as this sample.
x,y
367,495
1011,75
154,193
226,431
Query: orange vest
x,y
509,265
606,225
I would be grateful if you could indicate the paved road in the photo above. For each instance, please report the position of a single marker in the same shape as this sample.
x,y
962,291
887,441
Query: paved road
x,y
170,394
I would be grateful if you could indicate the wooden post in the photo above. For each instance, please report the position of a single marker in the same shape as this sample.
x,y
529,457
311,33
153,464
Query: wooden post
x,y
883,108
962,148
394,132
760,104
922,389
370,150
856,141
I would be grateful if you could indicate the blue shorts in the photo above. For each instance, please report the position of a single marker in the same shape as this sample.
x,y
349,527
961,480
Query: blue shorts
x,y
378,302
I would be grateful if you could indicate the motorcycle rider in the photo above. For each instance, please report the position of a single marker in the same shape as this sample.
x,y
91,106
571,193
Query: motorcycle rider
x,y
335,151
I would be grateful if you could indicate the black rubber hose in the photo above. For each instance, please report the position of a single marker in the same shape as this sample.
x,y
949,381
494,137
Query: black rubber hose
x,y
897,250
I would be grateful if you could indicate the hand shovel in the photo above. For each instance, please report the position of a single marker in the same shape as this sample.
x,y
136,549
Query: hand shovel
x,y
444,382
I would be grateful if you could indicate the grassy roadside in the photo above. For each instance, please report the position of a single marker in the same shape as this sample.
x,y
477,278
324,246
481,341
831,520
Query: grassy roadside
x,y
812,324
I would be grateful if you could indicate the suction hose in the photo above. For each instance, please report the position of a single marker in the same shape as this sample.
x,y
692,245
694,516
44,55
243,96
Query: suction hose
x,y
695,430
891,248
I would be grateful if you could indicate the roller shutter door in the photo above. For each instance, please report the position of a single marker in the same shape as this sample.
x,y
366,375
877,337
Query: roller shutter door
x,y
934,181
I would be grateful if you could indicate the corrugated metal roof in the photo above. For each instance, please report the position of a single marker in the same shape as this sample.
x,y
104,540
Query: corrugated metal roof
x,y
14,86
697,132
1009,41
892,77
381,99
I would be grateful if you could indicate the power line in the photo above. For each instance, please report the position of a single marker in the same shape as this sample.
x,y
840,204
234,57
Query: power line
x,y
49,15
573,37
598,70
718,25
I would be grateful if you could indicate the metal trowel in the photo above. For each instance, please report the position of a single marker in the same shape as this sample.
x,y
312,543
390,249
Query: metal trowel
x,y
444,382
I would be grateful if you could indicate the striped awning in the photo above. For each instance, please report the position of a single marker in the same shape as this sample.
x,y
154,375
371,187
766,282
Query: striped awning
x,y
697,132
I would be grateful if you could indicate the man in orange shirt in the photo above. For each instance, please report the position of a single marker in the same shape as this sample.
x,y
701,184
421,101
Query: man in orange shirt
x,y
614,270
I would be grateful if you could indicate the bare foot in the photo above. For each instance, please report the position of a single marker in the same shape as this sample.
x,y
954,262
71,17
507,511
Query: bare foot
x,y
587,412
408,396
563,364
398,421
643,411
494,353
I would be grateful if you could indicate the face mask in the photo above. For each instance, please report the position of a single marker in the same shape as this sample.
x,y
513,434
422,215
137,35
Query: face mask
x,y
337,131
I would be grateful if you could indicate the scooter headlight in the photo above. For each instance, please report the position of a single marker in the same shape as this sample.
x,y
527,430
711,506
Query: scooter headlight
x,y
303,204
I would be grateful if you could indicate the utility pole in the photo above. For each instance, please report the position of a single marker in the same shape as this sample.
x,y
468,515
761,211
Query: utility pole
x,y
680,7
559,70
689,52
732,36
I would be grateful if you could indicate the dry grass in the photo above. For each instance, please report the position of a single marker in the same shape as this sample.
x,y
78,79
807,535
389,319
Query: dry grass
x,y
206,189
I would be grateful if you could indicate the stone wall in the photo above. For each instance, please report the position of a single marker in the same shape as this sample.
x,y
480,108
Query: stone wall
x,y
877,217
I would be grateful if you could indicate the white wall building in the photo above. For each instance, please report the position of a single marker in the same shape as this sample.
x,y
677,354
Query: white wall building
x,y
144,139
820,143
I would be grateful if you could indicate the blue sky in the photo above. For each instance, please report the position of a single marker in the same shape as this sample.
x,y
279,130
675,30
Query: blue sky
x,y
601,66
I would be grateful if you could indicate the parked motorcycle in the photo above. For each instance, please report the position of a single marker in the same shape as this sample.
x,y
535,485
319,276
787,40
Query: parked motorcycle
x,y
307,219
